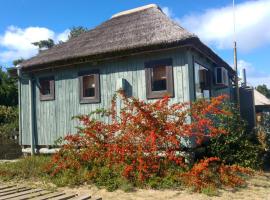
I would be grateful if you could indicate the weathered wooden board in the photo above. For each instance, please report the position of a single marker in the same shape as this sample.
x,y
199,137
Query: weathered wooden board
x,y
19,193
82,197
49,196
30,195
12,192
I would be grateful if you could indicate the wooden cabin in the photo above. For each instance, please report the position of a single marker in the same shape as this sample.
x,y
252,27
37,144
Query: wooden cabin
x,y
140,50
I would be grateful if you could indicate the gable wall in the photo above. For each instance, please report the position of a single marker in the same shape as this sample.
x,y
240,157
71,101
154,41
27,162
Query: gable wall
x,y
53,118
193,57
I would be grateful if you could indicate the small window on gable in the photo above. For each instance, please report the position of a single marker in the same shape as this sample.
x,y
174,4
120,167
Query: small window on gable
x,y
89,87
159,78
46,88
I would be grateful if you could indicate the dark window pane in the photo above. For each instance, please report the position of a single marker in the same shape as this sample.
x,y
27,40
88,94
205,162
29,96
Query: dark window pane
x,y
159,79
203,78
202,82
89,86
45,87
219,79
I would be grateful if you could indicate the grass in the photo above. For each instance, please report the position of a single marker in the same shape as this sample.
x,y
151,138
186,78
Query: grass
x,y
25,168
32,169
210,191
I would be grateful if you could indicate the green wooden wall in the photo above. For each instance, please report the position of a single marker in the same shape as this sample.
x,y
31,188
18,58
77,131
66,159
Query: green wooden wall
x,y
201,59
53,118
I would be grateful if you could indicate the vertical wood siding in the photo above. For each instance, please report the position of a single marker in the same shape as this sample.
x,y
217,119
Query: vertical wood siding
x,y
215,90
25,109
53,118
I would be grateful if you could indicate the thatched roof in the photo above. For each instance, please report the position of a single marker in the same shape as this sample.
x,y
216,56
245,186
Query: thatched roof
x,y
134,31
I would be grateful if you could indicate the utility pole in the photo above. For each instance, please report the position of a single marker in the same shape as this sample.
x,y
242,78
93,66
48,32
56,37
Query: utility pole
x,y
236,75
235,61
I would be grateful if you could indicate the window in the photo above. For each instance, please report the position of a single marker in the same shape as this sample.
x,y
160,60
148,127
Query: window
x,y
46,88
159,78
222,78
202,81
89,87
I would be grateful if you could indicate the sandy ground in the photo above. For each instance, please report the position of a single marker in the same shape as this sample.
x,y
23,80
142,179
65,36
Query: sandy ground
x,y
258,189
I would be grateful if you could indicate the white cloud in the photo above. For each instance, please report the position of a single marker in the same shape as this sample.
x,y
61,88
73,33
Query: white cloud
x,y
63,36
17,42
254,76
215,26
167,11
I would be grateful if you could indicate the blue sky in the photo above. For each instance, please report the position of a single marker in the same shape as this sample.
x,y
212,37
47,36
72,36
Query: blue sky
x,y
25,21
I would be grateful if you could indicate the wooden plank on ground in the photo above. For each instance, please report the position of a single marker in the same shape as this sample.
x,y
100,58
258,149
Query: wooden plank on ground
x,y
97,198
82,197
14,191
2,187
31,195
49,196
64,197
19,194
10,189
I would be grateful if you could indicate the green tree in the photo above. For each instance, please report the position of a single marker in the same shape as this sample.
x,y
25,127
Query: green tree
x,y
47,44
8,89
76,31
18,61
9,120
44,44
264,90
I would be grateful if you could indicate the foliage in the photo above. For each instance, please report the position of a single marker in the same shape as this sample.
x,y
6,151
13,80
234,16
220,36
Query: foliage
x,y
137,145
47,44
263,133
26,168
8,89
264,90
266,122
211,173
18,61
8,120
139,142
238,146
76,31
44,44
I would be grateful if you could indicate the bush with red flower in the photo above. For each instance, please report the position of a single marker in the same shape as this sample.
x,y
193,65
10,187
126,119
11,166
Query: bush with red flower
x,y
139,140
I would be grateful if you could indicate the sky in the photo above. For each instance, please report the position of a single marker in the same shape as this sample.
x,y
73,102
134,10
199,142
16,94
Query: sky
x,y
23,22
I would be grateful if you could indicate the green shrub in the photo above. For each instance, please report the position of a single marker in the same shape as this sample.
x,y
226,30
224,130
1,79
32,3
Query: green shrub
x,y
69,178
238,146
210,191
263,133
26,168
8,120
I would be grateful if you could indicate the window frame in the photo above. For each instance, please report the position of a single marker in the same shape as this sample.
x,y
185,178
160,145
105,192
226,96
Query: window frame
x,y
50,96
96,98
209,79
149,65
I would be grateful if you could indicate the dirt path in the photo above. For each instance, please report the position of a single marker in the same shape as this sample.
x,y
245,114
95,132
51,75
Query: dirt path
x,y
258,189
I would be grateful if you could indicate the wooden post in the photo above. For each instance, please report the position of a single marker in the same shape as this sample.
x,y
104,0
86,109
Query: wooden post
x,y
31,113
19,102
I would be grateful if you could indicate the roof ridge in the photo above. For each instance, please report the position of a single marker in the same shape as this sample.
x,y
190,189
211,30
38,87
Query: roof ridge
x,y
126,12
